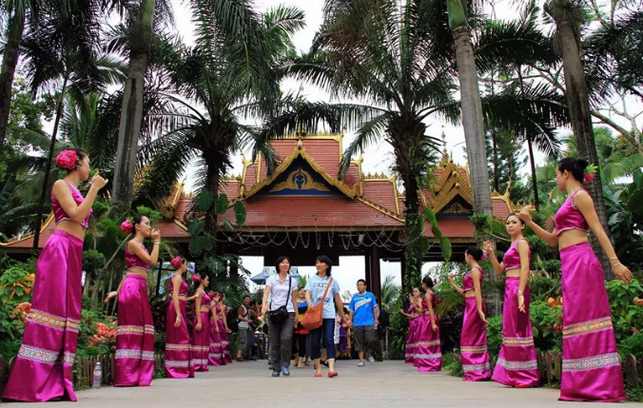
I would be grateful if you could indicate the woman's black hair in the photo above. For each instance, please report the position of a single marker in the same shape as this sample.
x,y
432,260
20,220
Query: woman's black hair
x,y
475,252
513,214
326,260
280,260
137,219
576,167
428,281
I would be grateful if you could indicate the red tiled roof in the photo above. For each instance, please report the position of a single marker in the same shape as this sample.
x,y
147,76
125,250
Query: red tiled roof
x,y
381,192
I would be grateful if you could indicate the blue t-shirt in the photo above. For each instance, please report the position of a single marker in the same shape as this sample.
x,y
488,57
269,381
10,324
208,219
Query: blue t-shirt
x,y
317,286
362,308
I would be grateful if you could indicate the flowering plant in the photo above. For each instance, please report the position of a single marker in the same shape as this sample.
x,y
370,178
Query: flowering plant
x,y
126,226
589,173
21,312
176,262
104,334
67,159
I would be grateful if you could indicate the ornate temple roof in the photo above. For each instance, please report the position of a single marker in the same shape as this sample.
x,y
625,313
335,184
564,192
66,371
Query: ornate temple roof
x,y
304,193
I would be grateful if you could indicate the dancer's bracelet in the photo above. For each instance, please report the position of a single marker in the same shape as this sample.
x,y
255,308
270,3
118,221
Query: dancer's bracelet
x,y
616,264
157,241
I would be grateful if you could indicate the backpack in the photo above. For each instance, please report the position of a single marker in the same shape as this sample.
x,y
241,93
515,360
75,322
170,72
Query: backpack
x,y
231,319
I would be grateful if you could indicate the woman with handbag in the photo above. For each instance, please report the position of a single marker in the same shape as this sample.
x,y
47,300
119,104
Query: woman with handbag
x,y
321,291
281,315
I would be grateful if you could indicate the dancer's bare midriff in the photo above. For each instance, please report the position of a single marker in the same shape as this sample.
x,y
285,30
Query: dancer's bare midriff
x,y
571,237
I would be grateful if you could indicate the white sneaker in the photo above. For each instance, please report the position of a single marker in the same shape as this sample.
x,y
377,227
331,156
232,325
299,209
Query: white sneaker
x,y
361,363
371,359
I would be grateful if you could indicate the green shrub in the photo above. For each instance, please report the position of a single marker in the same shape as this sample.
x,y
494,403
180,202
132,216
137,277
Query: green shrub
x,y
494,334
625,314
543,288
546,319
452,365
632,345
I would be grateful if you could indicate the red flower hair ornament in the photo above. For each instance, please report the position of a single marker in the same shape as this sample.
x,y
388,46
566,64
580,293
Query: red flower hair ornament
x,y
176,262
67,159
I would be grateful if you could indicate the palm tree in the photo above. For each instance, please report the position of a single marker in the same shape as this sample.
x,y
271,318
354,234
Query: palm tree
x,y
214,102
229,26
61,55
141,33
390,294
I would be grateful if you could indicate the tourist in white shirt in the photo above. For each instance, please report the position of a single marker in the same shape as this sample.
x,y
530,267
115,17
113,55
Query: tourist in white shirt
x,y
281,288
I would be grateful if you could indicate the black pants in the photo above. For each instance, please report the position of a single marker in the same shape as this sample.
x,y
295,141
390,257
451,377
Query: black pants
x,y
299,345
281,342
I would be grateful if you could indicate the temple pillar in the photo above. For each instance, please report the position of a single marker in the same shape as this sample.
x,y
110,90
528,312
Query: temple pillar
x,y
368,275
376,280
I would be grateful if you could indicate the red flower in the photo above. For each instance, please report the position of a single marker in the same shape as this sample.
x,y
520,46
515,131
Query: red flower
x,y
588,177
176,262
67,159
126,226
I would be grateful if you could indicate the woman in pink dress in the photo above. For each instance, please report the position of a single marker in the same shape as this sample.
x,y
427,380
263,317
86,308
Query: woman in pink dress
x,y
215,354
134,358
517,364
473,340
224,331
411,337
428,352
178,349
591,366
201,333
43,367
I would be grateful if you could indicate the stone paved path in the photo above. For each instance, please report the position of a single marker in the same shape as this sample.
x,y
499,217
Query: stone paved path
x,y
388,384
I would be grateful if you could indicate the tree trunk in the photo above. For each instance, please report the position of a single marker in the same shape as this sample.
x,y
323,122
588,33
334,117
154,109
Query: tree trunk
x,y
413,227
132,107
473,121
9,62
534,179
496,175
46,188
580,115
212,184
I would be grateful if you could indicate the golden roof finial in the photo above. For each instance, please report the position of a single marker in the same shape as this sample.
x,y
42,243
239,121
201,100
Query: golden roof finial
x,y
445,154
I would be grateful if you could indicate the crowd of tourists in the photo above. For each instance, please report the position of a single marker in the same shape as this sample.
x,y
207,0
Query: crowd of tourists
x,y
314,318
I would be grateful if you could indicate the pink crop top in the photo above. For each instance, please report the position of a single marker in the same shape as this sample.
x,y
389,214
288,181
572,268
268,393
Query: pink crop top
x,y
512,256
133,261
205,300
467,282
59,213
183,290
568,217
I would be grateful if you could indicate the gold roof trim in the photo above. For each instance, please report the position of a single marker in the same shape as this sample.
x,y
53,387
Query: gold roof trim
x,y
505,198
300,151
381,209
44,226
168,205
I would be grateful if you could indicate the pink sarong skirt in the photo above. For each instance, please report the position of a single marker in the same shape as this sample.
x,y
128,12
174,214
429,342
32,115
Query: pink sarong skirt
x,y
43,367
178,349
201,343
215,353
411,340
591,365
134,359
428,353
517,364
473,343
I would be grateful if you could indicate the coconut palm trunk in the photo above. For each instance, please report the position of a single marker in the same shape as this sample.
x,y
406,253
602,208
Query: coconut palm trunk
x,y
9,62
132,110
472,119
473,123
569,46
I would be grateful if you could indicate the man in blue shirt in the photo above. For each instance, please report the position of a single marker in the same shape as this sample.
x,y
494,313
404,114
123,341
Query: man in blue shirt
x,y
363,314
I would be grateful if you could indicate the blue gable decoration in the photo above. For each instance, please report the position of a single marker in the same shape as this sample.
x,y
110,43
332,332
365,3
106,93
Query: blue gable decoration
x,y
299,179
